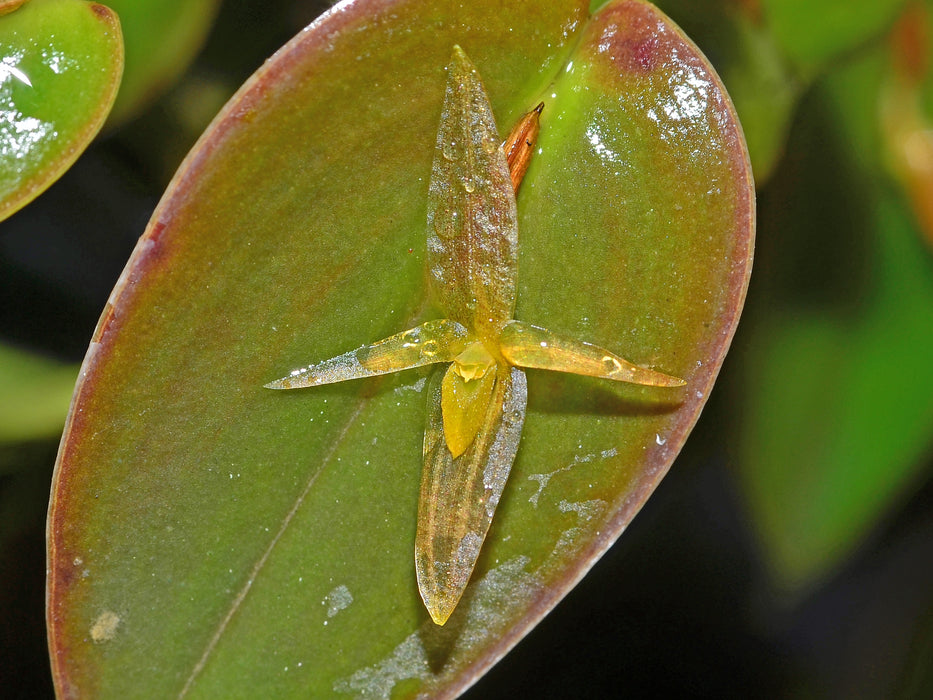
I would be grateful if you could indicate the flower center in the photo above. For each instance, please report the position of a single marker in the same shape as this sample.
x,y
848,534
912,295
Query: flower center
x,y
474,362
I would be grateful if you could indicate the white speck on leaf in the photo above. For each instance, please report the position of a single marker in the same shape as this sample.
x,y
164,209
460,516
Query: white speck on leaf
x,y
587,511
337,600
505,586
105,627
543,479
416,386
407,660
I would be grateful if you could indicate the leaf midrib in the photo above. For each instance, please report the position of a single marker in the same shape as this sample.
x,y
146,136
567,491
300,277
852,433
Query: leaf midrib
x,y
261,562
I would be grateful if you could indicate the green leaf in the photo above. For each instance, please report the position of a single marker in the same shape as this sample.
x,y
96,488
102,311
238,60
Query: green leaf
x,y
34,395
839,396
60,65
754,67
162,37
212,538
815,33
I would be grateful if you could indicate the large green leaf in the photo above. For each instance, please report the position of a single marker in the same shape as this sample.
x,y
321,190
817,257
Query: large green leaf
x,y
60,65
212,538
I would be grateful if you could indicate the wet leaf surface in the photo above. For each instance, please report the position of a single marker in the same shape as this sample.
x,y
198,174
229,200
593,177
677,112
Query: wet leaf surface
x,y
211,538
59,71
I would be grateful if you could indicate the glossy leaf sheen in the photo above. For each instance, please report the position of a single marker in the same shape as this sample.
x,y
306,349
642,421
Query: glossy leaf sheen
x,y
204,529
764,85
770,52
60,66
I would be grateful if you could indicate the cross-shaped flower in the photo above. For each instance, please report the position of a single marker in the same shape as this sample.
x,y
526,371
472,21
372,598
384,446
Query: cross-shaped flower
x,y
476,408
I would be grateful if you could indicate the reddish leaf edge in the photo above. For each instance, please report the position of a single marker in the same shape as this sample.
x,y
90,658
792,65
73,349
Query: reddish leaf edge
x,y
249,95
701,384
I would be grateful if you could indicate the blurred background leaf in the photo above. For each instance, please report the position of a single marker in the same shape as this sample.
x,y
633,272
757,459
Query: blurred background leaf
x,y
34,395
814,35
839,419
161,37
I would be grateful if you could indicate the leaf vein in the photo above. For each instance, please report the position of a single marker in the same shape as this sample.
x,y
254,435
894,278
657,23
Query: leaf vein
x,y
260,564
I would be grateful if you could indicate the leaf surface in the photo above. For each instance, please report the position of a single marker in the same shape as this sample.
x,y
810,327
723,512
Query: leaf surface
x,y
211,538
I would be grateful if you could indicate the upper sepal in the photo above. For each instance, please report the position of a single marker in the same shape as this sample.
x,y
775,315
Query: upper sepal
x,y
472,225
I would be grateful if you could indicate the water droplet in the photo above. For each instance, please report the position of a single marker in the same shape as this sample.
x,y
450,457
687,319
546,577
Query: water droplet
x,y
410,338
490,144
611,364
447,150
469,184
429,349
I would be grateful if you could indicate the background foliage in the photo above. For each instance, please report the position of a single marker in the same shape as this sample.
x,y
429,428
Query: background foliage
x,y
789,551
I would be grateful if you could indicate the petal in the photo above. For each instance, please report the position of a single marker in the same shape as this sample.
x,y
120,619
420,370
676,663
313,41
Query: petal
x,y
459,495
472,229
434,341
525,345
464,403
